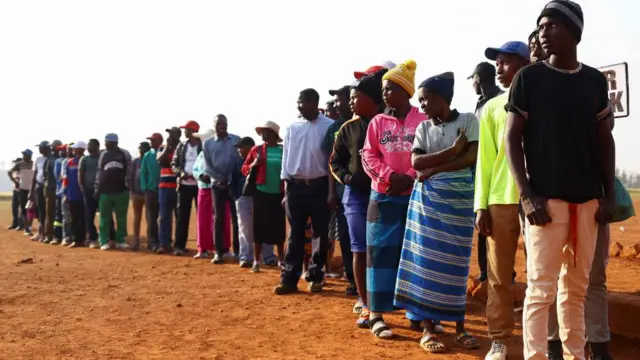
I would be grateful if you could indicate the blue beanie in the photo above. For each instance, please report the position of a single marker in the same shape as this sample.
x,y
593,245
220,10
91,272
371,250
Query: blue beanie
x,y
441,84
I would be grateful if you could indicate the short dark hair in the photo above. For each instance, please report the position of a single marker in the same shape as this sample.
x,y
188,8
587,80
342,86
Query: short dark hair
x,y
95,142
310,95
533,35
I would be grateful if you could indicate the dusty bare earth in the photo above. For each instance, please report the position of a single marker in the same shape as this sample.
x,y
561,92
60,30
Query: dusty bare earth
x,y
88,304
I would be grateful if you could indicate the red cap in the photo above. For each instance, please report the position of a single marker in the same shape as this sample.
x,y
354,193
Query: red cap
x,y
156,136
370,71
191,124
62,147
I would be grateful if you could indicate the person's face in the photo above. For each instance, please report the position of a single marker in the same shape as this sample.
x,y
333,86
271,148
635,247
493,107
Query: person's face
x,y
361,104
342,104
430,103
507,66
307,108
44,150
476,84
188,133
243,150
62,153
221,126
393,94
156,143
535,50
331,112
93,148
78,152
71,152
554,36
110,145
269,135
26,157
173,141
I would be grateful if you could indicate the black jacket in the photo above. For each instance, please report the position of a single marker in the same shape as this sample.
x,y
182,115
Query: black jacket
x,y
178,162
345,160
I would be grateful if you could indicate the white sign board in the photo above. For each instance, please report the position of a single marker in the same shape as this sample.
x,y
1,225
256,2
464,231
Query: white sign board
x,y
618,79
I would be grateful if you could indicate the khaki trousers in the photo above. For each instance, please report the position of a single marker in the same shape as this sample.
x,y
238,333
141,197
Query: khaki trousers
x,y
551,272
501,253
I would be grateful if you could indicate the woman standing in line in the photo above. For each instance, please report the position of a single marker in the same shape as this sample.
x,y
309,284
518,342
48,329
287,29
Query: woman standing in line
x,y
269,220
386,158
434,265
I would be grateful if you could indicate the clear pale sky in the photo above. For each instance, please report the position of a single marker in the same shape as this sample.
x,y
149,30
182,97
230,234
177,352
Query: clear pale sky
x,y
72,70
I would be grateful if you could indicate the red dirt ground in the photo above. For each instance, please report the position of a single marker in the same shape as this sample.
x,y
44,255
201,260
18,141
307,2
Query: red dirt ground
x,y
88,304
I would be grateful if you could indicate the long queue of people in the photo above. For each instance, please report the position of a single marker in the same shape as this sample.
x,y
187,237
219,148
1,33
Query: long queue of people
x,y
401,189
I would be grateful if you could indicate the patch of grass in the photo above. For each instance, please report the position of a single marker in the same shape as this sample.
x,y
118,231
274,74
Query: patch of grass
x,y
6,196
635,193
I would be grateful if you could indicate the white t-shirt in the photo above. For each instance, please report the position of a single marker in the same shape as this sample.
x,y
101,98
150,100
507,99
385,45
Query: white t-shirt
x,y
190,156
38,166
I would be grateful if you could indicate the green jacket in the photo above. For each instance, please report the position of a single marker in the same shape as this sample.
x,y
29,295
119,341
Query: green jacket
x,y
149,172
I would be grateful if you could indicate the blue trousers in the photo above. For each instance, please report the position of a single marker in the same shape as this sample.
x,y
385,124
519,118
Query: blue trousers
x,y
168,199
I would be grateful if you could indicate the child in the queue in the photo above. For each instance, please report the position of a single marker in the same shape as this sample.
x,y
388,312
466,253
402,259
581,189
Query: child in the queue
x,y
137,194
434,266
386,158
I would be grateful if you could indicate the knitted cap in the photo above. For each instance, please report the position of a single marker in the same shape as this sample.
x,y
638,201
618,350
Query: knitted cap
x,y
441,84
403,75
567,12
371,85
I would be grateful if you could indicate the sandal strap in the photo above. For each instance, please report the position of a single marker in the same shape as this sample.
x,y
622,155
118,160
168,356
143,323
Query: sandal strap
x,y
428,337
377,326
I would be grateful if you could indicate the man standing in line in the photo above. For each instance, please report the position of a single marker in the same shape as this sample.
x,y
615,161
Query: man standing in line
x,y
36,192
88,170
340,228
73,198
221,156
484,84
305,169
182,163
559,121
136,194
112,193
14,176
149,180
24,169
167,191
50,196
496,200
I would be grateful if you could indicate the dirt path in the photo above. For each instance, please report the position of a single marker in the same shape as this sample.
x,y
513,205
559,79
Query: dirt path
x,y
88,304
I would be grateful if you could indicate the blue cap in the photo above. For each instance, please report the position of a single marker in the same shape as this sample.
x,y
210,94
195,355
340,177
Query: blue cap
x,y
111,137
511,47
44,144
27,152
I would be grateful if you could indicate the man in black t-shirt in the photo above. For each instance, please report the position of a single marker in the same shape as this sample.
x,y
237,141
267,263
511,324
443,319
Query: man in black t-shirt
x,y
560,120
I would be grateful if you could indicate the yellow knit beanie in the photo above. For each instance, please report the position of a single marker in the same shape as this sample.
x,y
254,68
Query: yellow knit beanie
x,y
403,75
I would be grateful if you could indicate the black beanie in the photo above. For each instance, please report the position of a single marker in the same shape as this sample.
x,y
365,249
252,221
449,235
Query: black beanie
x,y
371,85
568,12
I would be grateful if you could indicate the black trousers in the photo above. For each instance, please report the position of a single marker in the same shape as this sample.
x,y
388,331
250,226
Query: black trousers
x,y
222,196
15,209
78,223
187,194
24,218
152,207
304,199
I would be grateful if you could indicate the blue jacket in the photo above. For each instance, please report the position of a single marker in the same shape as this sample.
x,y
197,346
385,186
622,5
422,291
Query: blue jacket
x,y
236,184
71,186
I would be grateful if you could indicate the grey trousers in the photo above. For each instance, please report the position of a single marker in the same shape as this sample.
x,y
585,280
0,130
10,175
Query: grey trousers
x,y
596,308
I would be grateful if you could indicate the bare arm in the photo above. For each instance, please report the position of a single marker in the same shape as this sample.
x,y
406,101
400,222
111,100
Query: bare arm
x,y
424,161
163,158
460,162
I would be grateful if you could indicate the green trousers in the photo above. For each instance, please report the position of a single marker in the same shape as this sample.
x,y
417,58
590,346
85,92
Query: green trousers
x,y
109,203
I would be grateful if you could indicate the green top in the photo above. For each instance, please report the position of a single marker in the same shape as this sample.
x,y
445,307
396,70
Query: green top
x,y
494,183
149,171
274,165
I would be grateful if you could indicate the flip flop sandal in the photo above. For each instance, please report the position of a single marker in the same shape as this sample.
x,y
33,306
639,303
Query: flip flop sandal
x,y
357,308
467,341
379,329
431,344
363,319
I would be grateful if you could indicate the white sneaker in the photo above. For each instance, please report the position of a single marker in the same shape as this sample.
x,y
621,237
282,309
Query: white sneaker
x,y
54,242
122,246
94,245
105,247
498,352
66,242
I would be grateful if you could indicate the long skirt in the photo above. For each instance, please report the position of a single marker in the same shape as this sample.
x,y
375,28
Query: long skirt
x,y
434,265
269,219
386,217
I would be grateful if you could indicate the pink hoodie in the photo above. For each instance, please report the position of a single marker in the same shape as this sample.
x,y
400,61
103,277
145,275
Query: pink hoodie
x,y
387,148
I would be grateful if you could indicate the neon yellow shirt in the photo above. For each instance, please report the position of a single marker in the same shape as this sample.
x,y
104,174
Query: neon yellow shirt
x,y
494,183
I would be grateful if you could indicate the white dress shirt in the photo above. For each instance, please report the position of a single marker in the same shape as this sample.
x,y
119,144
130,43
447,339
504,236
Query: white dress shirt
x,y
302,154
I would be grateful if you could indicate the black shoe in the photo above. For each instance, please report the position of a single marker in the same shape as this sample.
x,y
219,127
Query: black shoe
x,y
12,227
351,290
283,289
599,351
554,350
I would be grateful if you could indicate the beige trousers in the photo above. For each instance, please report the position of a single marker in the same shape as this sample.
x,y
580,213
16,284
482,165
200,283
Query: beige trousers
x,y
552,272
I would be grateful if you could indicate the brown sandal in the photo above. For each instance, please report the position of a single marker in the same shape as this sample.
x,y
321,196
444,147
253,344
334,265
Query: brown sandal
x,y
467,341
